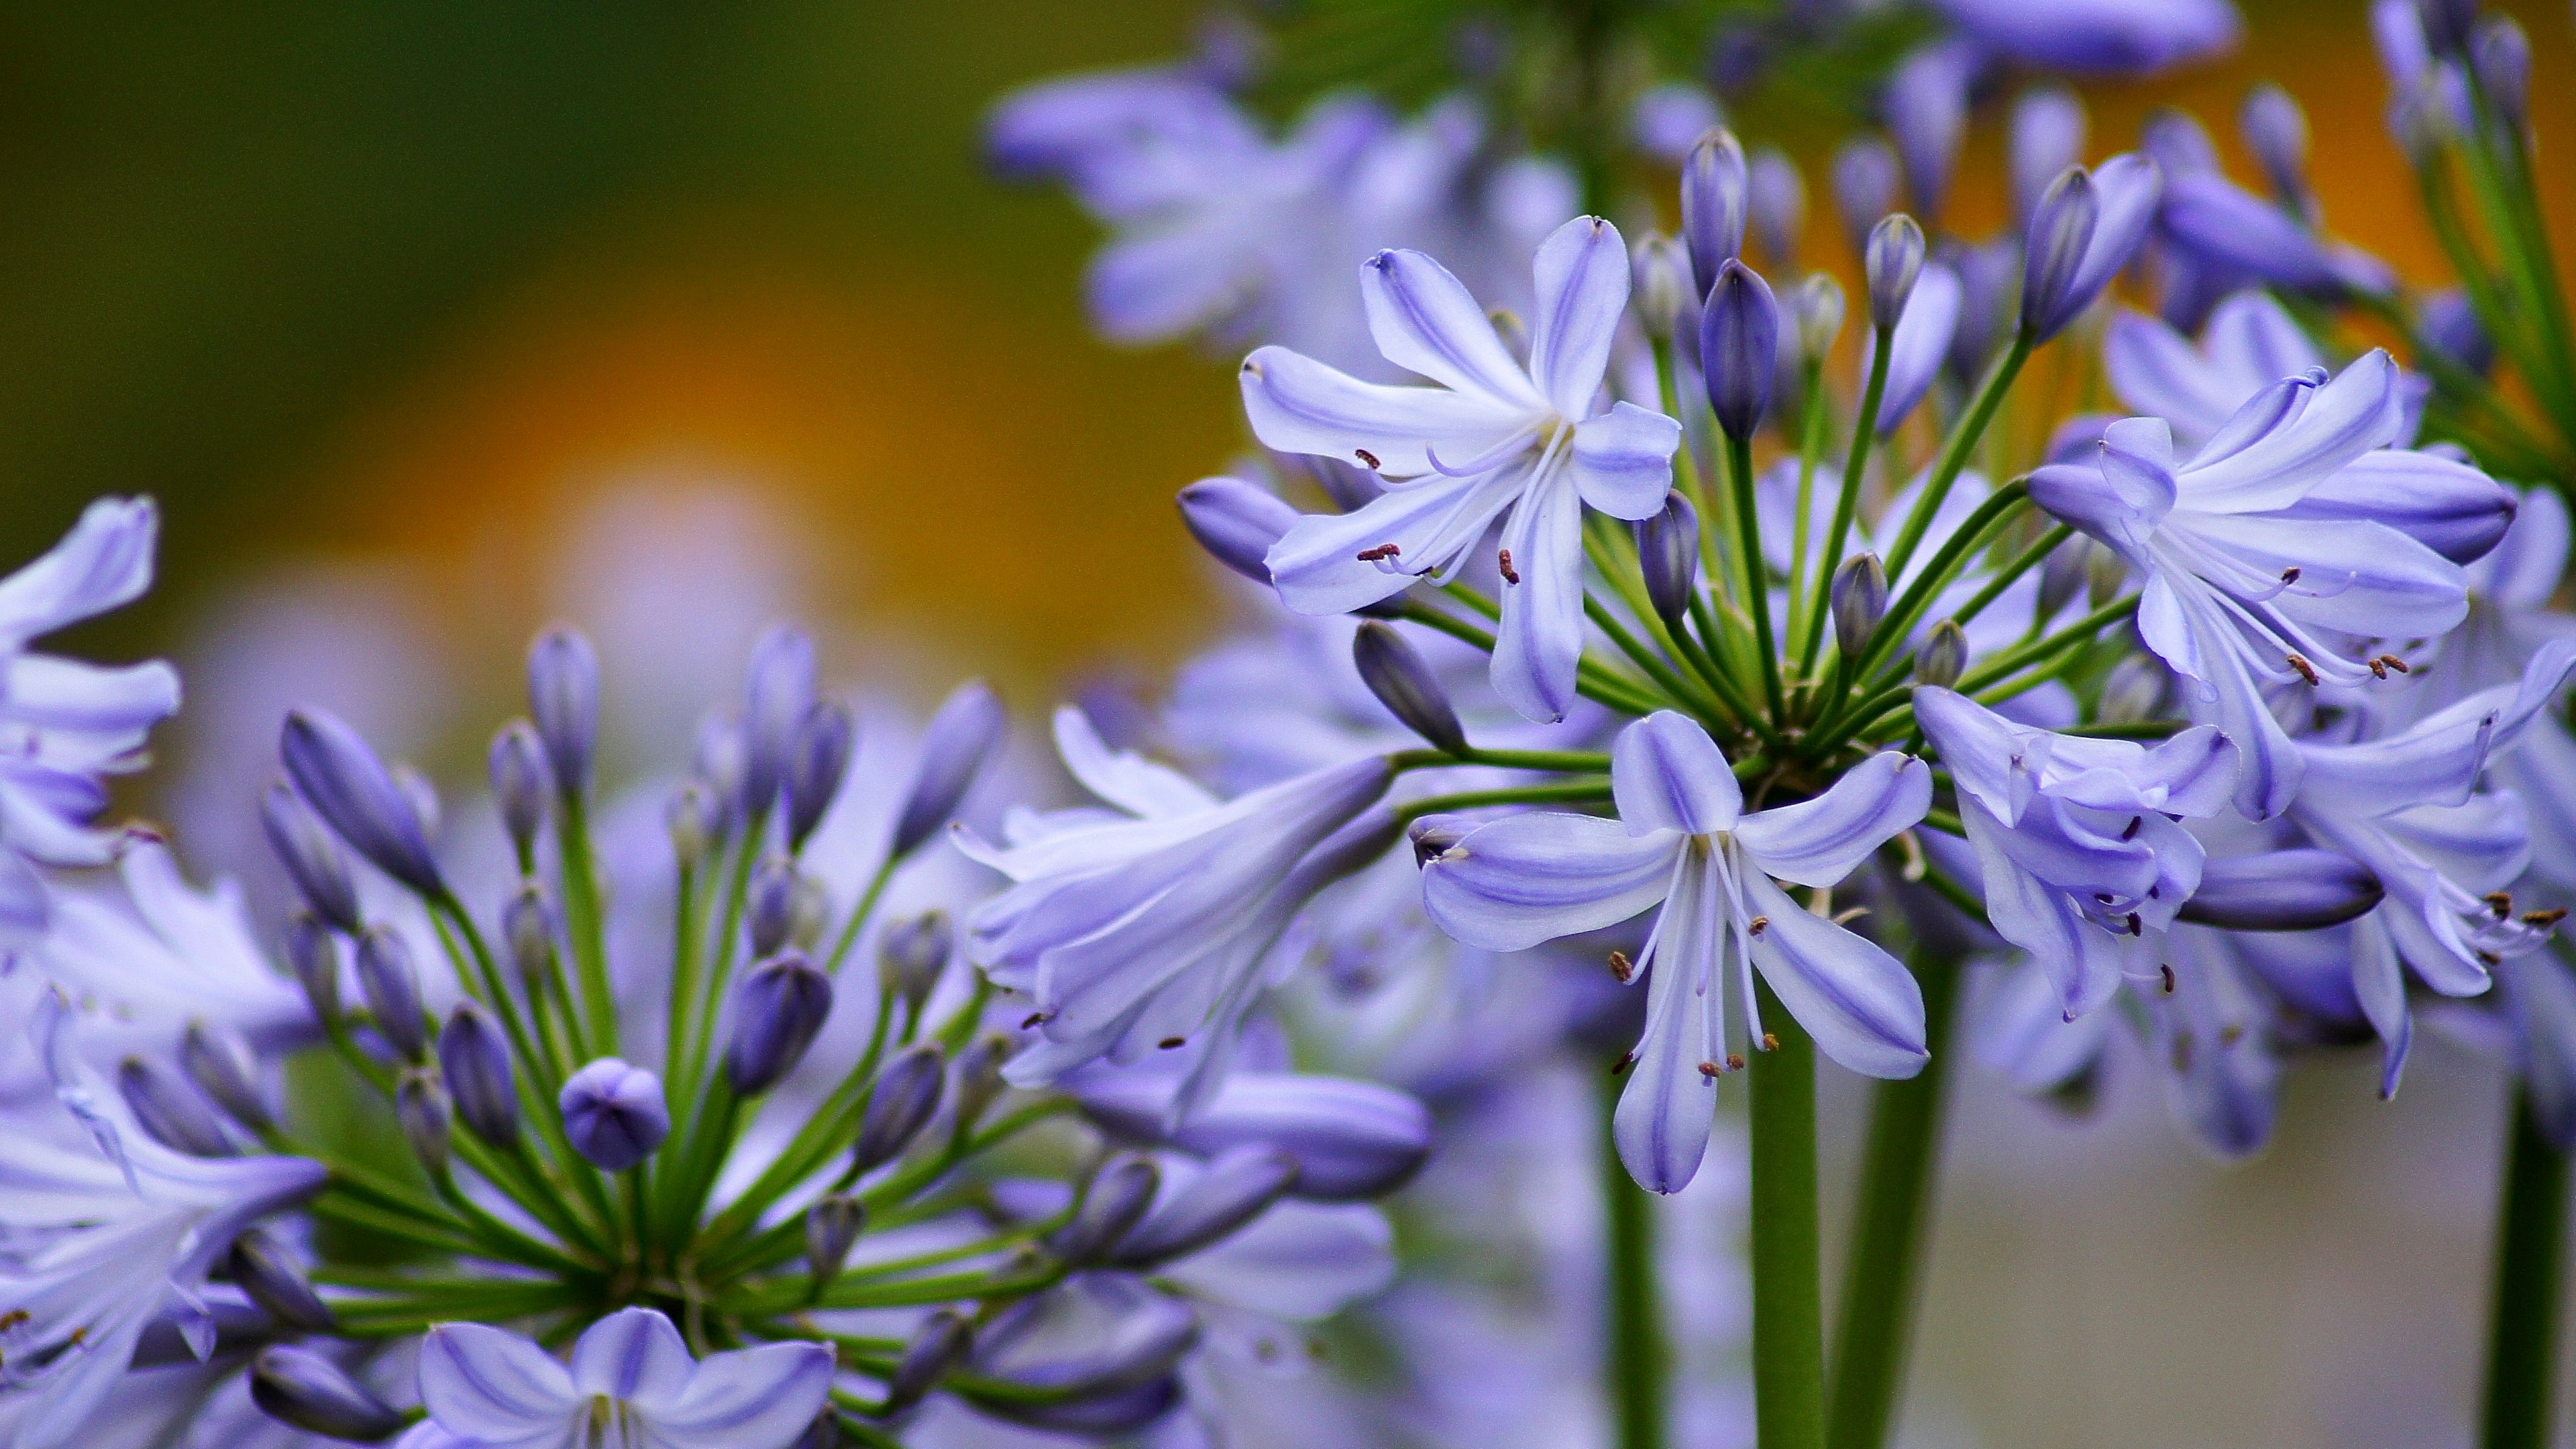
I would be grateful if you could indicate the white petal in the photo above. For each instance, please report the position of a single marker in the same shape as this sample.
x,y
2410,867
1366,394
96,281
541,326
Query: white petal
x,y
1582,283
1299,405
750,1398
1426,321
1818,842
1860,1004
1623,460
486,1384
1539,644
1667,774
1532,878
633,1354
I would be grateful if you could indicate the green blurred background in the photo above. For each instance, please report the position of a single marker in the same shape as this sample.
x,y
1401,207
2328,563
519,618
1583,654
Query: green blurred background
x,y
403,291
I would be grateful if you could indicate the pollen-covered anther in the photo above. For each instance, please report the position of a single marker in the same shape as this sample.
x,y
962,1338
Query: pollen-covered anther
x,y
1367,458
2500,902
2543,920
1504,560
2290,575
1169,1043
1626,1060
1621,967
2130,832
1757,926
1381,552
2305,670
2165,973
2136,926
1770,1042
1710,1070
2379,668
1037,1018
2393,662
1735,1061
2232,1033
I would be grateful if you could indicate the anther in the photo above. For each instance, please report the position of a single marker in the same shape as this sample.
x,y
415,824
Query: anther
x,y
2290,575
1382,551
1036,1018
2500,902
1621,966
1505,560
2489,958
2306,670
1626,1060
2135,822
2231,1034
1770,1042
1757,926
1709,1070
1367,458
2168,979
2543,920
2135,929
1735,1061
1169,1042
2393,662
2379,667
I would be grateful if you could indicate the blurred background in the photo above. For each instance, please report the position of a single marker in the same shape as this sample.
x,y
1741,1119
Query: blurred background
x,y
427,322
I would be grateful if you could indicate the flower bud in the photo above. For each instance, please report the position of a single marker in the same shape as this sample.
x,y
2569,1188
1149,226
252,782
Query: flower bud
x,y
912,954
313,953
954,746
2281,890
476,1062
1713,205
1893,257
1396,673
979,1077
219,1062
1434,836
1859,601
1098,1351
2450,325
1238,1186
262,1270
1739,345
171,1110
1668,557
2276,131
2062,575
614,1114
1661,285
313,859
2501,58
938,1345
1985,287
1776,201
771,910
2104,576
354,793
832,1227
2061,228
1818,308
2047,137
900,1104
2448,24
1351,1139
1943,656
1864,187
778,1009
424,1111
391,985
1925,105
1120,1195
2135,690
301,1388
781,690
694,819
521,783
528,931
817,761
1236,522
563,696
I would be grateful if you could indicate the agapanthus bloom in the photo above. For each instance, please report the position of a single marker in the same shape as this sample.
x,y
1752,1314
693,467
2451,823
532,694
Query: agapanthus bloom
x,y
630,1382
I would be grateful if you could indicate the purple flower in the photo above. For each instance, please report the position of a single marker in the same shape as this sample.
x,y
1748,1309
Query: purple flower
x,y
2085,228
1530,444
614,1114
1919,346
487,1387
1926,109
2096,37
1683,843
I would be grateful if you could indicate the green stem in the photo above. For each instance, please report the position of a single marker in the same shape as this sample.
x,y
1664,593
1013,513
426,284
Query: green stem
x,y
1581,792
582,926
1788,1308
1957,449
1864,428
1757,587
1636,1361
1883,1269
2531,1232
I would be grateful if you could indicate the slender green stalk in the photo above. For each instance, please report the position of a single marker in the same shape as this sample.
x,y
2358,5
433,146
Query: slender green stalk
x,y
1575,761
1957,449
1788,1307
1637,1362
1847,503
2531,1234
1579,792
859,915
1757,588
1883,1266
582,926
1811,441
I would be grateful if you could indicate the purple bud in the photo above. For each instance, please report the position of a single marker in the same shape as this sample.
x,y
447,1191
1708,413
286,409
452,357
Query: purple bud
x,y
304,1390
357,796
771,911
717,760
832,1227
1985,282
2501,59
1236,1187
1402,680
2062,576
817,761
614,1114
263,1271
391,985
521,782
900,1104
1864,187
312,857
1859,600
2281,890
528,931
563,695
780,691
778,1009
954,746
1351,1140
1236,522
1817,310
979,1077
1893,259
220,1063
1739,342
313,953
1668,557
938,1345
424,1111
2451,327
423,797
2397,32
2276,131
2178,143
1120,1195
1776,198
2448,24
476,1063
1661,286
2061,227
1926,108
912,954
1713,205
1087,1350
2047,137
1943,656
171,1110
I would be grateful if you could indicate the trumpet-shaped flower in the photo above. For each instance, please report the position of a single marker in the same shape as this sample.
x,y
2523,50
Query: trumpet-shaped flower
x,y
1684,843
631,1384
2238,593
1528,443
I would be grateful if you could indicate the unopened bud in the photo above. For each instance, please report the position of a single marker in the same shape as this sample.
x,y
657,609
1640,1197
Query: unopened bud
x,y
778,1010
1859,600
1818,308
422,1107
1236,522
313,859
1120,1195
1662,284
219,1062
476,1063
1864,187
979,1077
1776,199
771,911
817,761
423,795
954,746
2282,890
521,783
1713,205
901,1103
313,953
912,954
1894,261
171,1110
1739,346
832,1227
528,930
693,818
2061,228
2047,137
2448,24
1238,1186
262,1270
781,689
563,696
1943,657
2501,56
391,985
1668,558
938,1345
353,792
2062,575
614,1114
2276,131
2450,325
1402,680
301,1388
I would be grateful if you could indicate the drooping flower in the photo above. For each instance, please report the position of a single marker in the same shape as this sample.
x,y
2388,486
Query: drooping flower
x,y
1683,843
1530,444
630,1382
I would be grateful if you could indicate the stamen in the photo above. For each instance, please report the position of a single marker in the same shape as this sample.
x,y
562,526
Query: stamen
x,y
2379,667
2135,822
1709,1070
2489,958
2167,973
1367,458
2500,902
2393,662
2290,575
1509,577
2231,1034
1735,1061
1169,1042
2136,928
1770,1042
1757,926
1382,551
1626,1060
2306,670
1621,967
1037,1018
2543,920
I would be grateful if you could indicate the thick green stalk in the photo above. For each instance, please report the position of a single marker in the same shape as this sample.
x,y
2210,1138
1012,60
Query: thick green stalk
x,y
1882,1273
2531,1234
1957,449
1636,1362
1864,429
1788,1306
1757,587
